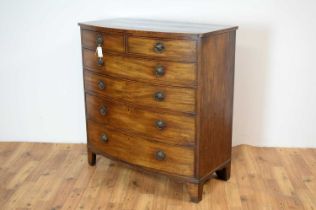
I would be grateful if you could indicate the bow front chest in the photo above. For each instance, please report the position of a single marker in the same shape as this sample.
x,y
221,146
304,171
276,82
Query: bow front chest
x,y
159,97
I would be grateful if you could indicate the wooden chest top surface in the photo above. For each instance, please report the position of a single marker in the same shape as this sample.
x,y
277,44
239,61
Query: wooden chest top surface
x,y
158,26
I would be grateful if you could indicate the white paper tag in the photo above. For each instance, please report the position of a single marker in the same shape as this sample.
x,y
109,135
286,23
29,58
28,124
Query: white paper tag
x,y
99,52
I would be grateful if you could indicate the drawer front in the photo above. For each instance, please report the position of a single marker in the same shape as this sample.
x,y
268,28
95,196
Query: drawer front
x,y
109,42
171,98
141,69
175,129
139,151
183,50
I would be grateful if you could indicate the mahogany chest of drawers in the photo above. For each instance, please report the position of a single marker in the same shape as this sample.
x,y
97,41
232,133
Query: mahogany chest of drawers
x,y
159,96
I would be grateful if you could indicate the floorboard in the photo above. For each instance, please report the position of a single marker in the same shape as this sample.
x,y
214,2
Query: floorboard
x,y
57,176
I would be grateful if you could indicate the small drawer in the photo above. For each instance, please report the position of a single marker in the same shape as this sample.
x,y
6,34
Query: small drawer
x,y
179,50
141,152
163,72
174,129
171,98
109,42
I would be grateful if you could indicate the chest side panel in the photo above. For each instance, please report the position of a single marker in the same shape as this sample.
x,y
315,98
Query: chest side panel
x,y
215,101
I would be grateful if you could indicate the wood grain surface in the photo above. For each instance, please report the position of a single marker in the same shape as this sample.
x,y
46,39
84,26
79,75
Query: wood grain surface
x,y
175,73
139,151
176,99
215,103
179,50
57,176
178,129
111,42
143,27
197,82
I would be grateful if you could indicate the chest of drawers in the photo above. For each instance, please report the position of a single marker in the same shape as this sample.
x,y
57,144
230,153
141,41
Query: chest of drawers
x,y
159,97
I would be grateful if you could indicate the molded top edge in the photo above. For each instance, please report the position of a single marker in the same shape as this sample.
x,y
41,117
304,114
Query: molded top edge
x,y
159,26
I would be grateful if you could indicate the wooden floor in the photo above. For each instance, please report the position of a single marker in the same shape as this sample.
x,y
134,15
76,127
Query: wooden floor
x,y
57,176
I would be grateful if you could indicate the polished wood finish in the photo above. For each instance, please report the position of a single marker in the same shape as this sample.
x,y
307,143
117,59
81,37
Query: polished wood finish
x,y
111,42
215,104
178,129
91,157
195,191
156,28
57,176
176,74
139,151
179,50
176,99
170,87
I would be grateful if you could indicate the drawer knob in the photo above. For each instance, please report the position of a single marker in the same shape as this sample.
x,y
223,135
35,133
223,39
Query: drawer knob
x,y
103,110
160,155
100,61
99,39
159,47
159,70
104,137
159,96
101,85
160,124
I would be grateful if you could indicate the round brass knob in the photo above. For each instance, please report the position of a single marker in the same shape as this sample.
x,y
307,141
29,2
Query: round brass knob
x,y
101,85
104,137
160,124
159,70
100,62
103,110
160,155
159,96
159,47
99,39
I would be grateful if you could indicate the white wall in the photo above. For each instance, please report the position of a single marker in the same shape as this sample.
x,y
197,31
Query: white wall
x,y
41,88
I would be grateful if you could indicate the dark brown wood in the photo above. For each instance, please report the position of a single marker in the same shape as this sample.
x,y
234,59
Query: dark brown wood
x,y
111,42
91,157
176,74
179,50
155,28
139,151
161,97
177,99
178,128
195,191
224,173
214,108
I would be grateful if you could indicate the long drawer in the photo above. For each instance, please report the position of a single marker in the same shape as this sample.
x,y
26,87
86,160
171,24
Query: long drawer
x,y
139,151
163,72
175,129
171,98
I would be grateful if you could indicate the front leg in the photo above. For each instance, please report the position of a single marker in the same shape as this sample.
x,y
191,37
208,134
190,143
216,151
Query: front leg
x,y
195,191
91,157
